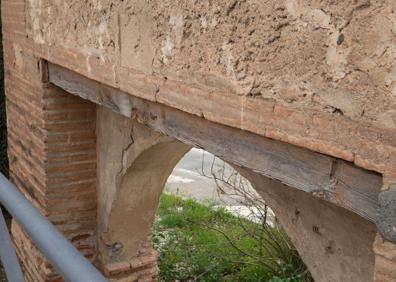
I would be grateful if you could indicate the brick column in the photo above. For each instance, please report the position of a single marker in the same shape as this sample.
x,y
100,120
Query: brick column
x,y
52,154
52,148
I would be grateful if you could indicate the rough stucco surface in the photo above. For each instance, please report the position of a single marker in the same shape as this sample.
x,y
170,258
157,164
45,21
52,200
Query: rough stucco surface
x,y
333,56
119,142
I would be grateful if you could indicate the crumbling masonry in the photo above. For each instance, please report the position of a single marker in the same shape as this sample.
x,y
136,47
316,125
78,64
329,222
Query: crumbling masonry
x,y
104,97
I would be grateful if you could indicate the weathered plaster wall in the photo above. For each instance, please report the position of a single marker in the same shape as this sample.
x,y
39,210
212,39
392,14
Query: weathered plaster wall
x,y
119,141
333,56
316,74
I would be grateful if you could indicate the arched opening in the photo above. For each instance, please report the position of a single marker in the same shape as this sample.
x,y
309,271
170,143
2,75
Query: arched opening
x,y
129,234
212,225
135,163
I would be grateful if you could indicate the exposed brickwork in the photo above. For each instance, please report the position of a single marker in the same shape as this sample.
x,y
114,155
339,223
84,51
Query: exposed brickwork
x,y
51,148
142,268
53,161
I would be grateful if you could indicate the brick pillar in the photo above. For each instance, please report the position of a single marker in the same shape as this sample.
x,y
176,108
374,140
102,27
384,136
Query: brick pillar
x,y
52,154
52,148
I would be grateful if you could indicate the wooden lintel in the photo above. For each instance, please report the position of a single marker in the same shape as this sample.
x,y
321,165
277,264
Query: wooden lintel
x,y
331,179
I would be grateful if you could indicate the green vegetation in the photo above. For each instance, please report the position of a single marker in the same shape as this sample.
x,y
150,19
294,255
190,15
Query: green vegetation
x,y
203,243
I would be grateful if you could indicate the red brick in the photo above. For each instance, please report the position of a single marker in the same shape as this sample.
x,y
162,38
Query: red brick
x,y
116,268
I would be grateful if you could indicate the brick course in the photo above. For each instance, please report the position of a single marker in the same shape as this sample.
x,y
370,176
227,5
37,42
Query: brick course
x,y
53,174
369,147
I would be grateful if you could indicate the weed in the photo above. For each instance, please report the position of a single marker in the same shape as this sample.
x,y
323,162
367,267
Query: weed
x,y
198,243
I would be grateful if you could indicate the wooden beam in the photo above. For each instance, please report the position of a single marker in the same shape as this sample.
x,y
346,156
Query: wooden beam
x,y
328,178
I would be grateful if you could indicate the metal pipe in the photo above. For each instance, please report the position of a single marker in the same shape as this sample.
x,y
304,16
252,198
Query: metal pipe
x,y
7,254
65,258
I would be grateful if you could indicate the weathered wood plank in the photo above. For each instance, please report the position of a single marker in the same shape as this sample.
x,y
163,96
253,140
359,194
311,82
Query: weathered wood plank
x,y
331,179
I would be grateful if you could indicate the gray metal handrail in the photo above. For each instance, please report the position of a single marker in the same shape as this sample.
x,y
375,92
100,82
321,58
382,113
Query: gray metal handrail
x,y
7,254
65,258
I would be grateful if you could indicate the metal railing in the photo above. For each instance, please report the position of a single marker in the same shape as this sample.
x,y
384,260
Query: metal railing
x,y
7,254
65,258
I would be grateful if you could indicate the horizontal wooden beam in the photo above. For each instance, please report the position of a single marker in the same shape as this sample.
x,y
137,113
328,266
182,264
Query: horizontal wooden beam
x,y
328,178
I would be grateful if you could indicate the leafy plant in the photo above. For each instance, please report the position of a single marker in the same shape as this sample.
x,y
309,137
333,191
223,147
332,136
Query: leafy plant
x,y
203,243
